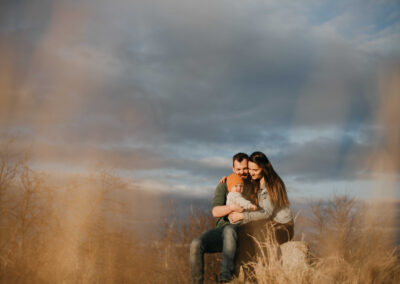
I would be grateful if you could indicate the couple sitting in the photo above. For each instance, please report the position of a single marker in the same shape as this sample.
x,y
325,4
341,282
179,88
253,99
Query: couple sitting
x,y
267,208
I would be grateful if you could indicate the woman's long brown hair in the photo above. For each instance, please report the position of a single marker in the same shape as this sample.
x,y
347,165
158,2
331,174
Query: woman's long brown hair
x,y
275,186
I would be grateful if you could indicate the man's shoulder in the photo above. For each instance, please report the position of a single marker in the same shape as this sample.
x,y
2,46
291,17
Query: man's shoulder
x,y
222,187
220,195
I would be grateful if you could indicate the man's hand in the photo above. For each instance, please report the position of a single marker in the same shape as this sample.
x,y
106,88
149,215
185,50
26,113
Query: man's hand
x,y
235,217
236,208
223,179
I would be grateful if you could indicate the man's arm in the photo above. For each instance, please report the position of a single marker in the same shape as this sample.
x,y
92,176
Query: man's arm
x,y
221,211
219,207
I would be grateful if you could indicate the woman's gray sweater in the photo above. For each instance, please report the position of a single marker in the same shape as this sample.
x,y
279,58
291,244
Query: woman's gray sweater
x,y
279,215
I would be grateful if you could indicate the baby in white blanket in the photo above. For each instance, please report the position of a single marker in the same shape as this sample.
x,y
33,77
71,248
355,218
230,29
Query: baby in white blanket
x,y
235,188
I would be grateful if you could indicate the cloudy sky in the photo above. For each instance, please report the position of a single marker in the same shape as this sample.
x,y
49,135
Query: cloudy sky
x,y
166,91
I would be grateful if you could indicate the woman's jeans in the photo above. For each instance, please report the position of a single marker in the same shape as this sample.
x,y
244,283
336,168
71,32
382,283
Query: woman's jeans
x,y
221,239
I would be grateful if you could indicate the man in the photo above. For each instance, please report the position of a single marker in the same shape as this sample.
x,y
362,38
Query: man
x,y
222,238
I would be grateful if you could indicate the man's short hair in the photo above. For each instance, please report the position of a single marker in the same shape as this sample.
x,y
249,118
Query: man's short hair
x,y
240,157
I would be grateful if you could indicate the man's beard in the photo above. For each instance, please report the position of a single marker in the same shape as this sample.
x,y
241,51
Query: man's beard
x,y
244,176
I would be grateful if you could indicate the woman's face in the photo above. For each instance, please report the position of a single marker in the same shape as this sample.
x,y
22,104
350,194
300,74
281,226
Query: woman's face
x,y
255,171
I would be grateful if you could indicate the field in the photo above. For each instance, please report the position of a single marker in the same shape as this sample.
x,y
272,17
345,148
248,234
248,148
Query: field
x,y
96,228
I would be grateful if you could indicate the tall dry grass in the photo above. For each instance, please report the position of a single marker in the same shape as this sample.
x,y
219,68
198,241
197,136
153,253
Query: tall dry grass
x,y
78,230
346,246
75,231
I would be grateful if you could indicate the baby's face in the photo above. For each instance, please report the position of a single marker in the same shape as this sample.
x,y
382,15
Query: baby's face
x,y
237,188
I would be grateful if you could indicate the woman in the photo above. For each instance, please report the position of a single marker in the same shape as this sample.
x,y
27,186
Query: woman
x,y
274,215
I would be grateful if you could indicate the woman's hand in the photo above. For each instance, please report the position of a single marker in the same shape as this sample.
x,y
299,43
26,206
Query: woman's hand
x,y
236,208
223,179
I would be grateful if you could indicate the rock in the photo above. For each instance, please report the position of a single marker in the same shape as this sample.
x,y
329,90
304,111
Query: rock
x,y
294,254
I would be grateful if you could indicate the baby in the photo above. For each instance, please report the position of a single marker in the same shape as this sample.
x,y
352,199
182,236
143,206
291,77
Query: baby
x,y
235,188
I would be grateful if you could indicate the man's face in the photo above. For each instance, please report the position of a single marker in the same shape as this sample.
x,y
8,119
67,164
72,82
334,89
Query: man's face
x,y
241,168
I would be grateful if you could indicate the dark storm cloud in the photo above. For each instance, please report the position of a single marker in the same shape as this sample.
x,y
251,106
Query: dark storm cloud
x,y
322,159
226,76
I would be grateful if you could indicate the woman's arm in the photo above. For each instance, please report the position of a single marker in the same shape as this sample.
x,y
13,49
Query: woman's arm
x,y
266,211
248,216
237,198
257,215
223,179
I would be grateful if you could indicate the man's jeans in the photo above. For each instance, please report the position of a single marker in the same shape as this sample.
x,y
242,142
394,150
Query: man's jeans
x,y
221,239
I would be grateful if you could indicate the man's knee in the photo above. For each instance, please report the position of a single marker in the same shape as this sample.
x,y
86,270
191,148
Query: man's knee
x,y
230,233
196,246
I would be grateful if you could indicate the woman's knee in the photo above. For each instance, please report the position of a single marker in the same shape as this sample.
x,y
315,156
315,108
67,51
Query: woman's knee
x,y
284,233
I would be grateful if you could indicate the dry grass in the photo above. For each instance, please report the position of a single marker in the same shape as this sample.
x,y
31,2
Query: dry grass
x,y
78,231
73,233
346,247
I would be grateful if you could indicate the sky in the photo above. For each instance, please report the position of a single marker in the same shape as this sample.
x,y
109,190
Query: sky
x,y
167,91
